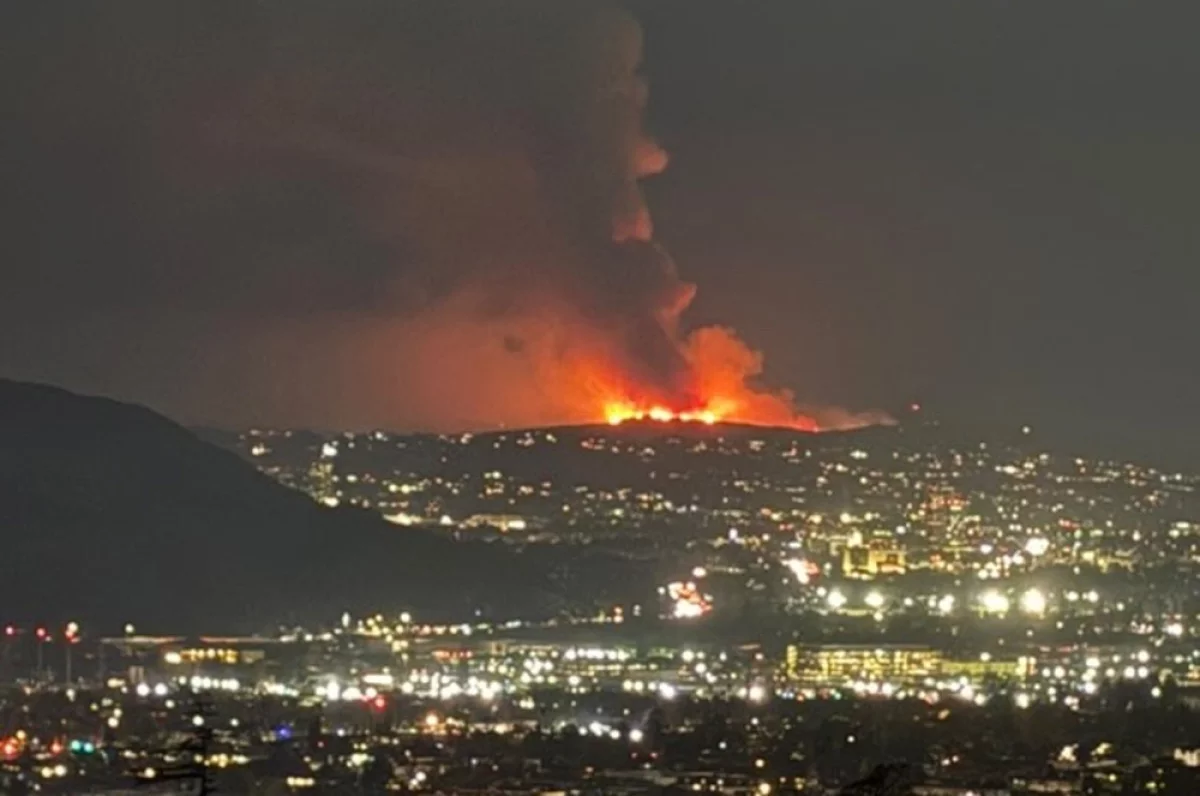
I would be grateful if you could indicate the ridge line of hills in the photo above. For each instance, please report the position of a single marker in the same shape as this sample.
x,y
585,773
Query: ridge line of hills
x,y
112,513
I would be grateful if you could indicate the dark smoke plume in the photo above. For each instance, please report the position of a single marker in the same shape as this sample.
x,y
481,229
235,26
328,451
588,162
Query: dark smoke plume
x,y
400,214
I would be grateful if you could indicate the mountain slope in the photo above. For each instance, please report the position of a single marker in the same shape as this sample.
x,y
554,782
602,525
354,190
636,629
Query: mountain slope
x,y
111,513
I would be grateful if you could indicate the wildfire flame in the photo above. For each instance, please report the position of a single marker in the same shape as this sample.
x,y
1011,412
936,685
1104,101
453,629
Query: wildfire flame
x,y
719,388
621,412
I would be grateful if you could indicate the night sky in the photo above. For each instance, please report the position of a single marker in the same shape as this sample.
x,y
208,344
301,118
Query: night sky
x,y
259,213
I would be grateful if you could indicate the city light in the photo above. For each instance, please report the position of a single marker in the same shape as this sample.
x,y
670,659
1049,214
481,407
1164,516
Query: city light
x,y
1033,602
687,600
994,602
1037,546
872,572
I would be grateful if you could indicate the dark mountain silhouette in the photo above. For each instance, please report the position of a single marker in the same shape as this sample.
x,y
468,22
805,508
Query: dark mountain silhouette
x,y
110,513
887,779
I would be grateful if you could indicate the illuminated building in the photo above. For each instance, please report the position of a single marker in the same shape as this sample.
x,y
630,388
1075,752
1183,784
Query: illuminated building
x,y
226,655
503,522
149,653
830,664
867,561
976,669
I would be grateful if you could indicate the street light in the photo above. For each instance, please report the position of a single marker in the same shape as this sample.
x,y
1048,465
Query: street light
x,y
71,633
1033,602
42,637
994,602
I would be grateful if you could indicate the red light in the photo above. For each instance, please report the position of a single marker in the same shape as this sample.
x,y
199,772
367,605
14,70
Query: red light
x,y
56,748
42,634
9,630
915,407
380,703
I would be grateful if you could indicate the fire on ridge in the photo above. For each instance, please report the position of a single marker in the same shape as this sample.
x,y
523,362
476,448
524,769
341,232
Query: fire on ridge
x,y
709,413
618,413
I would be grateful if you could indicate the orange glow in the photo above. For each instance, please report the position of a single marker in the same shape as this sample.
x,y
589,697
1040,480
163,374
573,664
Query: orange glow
x,y
619,412
567,372
718,387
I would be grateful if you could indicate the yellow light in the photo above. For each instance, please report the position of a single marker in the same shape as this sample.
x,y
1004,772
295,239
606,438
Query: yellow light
x,y
799,569
1037,546
994,602
1033,602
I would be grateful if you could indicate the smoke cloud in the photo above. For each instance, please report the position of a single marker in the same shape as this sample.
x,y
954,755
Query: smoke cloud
x,y
406,214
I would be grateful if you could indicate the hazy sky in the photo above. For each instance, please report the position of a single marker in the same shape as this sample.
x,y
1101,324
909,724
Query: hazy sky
x,y
248,213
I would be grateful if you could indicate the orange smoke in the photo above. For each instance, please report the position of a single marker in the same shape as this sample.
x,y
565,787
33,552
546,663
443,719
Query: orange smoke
x,y
594,332
718,388
534,292
715,368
